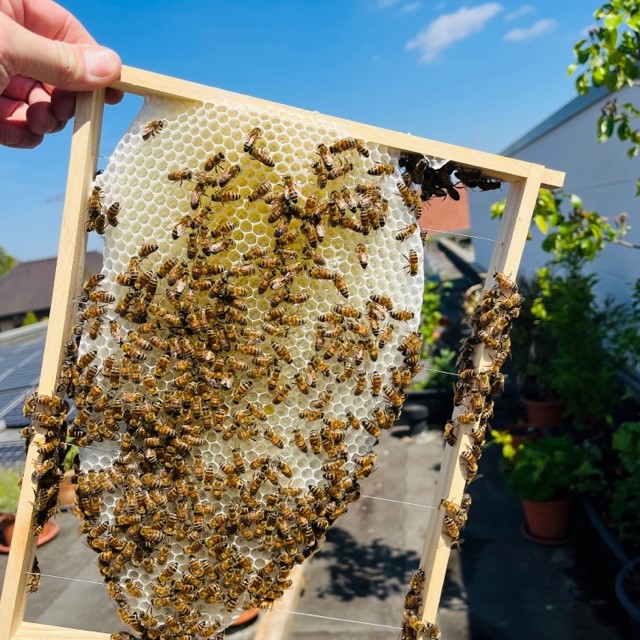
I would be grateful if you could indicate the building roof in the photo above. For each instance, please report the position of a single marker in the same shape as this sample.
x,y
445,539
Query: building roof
x,y
29,285
20,362
444,215
556,119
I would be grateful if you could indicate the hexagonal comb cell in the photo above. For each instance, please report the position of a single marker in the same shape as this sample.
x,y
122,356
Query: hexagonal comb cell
x,y
251,337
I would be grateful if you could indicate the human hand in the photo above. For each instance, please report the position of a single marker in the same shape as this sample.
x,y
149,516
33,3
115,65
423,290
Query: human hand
x,y
46,55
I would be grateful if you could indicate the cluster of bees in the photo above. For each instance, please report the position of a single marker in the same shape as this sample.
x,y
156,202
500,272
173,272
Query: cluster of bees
x,y
445,180
48,424
490,325
412,624
191,367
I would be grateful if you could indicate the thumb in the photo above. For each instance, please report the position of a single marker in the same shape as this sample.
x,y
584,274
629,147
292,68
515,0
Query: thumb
x,y
76,67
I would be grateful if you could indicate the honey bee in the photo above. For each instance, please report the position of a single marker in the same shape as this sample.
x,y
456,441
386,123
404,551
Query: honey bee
x,y
381,169
251,139
273,437
325,155
340,284
111,215
262,156
339,172
152,127
406,232
281,393
228,175
383,301
402,315
449,433
363,254
282,352
321,174
340,146
504,282
412,263
299,440
224,196
179,175
450,527
213,161
94,205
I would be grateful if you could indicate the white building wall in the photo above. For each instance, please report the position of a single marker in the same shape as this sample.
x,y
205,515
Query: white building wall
x,y
601,174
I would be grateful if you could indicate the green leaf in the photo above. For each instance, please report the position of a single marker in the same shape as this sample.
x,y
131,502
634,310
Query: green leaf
x,y
576,201
582,84
541,223
612,21
633,21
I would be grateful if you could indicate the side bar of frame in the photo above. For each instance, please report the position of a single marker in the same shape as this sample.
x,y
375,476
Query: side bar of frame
x,y
451,482
69,267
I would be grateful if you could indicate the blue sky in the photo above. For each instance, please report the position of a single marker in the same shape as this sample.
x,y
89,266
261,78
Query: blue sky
x,y
469,72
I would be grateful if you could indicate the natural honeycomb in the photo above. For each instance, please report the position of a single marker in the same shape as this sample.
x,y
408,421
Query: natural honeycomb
x,y
251,332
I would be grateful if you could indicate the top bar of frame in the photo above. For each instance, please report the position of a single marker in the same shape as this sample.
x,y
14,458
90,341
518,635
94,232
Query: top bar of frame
x,y
146,83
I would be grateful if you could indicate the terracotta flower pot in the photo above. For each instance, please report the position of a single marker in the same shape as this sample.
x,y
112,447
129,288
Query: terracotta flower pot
x,y
544,415
7,523
522,433
547,522
67,493
245,618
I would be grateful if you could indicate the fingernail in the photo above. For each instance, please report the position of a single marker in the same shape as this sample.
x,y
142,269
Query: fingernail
x,y
101,63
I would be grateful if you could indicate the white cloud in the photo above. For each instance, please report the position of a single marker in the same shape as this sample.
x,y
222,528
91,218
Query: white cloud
x,y
451,28
524,10
410,7
537,29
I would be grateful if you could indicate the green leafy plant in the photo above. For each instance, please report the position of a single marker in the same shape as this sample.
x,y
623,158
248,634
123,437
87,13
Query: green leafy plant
x,y
609,58
9,490
624,499
548,468
430,314
567,343
438,365
70,456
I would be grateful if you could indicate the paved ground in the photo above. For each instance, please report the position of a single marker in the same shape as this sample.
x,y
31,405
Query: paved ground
x,y
500,587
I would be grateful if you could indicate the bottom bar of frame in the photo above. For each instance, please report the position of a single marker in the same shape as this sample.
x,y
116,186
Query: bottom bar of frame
x,y
33,631
273,625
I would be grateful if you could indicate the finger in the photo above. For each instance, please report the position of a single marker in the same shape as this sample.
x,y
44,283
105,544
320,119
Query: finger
x,y
76,67
20,87
52,21
40,118
63,104
113,96
14,131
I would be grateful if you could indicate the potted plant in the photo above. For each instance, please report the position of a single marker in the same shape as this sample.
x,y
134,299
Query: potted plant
x,y
568,344
67,493
9,497
623,499
545,473
532,347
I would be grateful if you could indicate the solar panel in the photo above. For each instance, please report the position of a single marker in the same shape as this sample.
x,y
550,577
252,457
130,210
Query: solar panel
x,y
19,373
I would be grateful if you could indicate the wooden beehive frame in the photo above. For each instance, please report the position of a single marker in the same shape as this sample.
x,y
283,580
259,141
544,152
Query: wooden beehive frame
x,y
525,179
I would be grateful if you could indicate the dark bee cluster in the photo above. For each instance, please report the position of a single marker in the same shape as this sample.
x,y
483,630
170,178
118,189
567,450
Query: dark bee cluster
x,y
193,369
443,181
48,425
412,624
490,324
